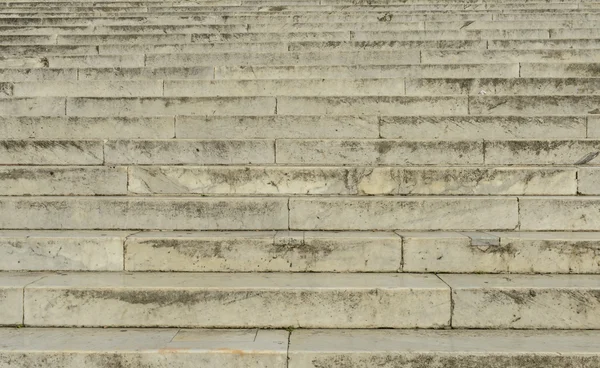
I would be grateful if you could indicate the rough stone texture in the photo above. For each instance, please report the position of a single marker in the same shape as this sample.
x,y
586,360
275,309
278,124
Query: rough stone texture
x,y
57,180
563,70
547,152
51,152
593,126
151,348
173,152
533,105
38,106
426,349
76,127
61,250
376,105
89,88
556,213
482,127
589,181
264,251
224,300
35,75
525,301
11,296
378,152
196,73
277,127
418,213
143,213
387,45
81,106
509,56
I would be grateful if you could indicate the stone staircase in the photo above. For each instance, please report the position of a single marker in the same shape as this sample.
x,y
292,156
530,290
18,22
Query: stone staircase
x,y
300,183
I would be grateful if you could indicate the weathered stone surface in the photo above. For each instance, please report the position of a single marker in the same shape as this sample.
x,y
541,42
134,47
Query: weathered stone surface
x,y
174,152
449,35
547,152
226,300
593,126
386,45
61,250
96,61
251,37
37,106
198,49
425,349
57,180
35,75
149,106
122,39
151,348
525,301
509,56
290,87
417,213
283,251
11,296
533,105
542,44
482,127
146,73
50,152
367,71
277,127
508,86
143,213
89,88
556,213
588,181
282,58
372,105
378,152
564,70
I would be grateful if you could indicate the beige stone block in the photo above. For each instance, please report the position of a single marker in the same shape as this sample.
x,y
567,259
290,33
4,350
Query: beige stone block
x,y
151,348
150,106
378,152
367,71
23,62
27,40
139,39
169,213
180,51
387,45
329,27
56,180
433,35
11,295
509,56
588,181
37,75
264,252
542,44
270,37
551,252
38,106
561,70
203,72
534,105
410,213
593,126
547,152
282,58
242,180
277,127
230,300
556,213
481,348
61,250
89,88
47,51
96,61
50,152
290,87
525,301
76,127
482,127
371,105
177,152
466,181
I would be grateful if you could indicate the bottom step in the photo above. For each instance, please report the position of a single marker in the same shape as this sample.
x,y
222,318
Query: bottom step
x,y
173,348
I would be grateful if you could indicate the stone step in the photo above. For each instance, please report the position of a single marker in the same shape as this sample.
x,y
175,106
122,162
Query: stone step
x,y
304,300
307,348
509,56
232,300
301,251
419,128
364,348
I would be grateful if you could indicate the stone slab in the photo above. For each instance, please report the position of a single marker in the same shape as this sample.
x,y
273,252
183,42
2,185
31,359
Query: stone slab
x,y
151,348
283,251
239,300
51,152
61,250
11,295
542,152
534,105
418,348
119,213
412,213
89,88
559,213
525,301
